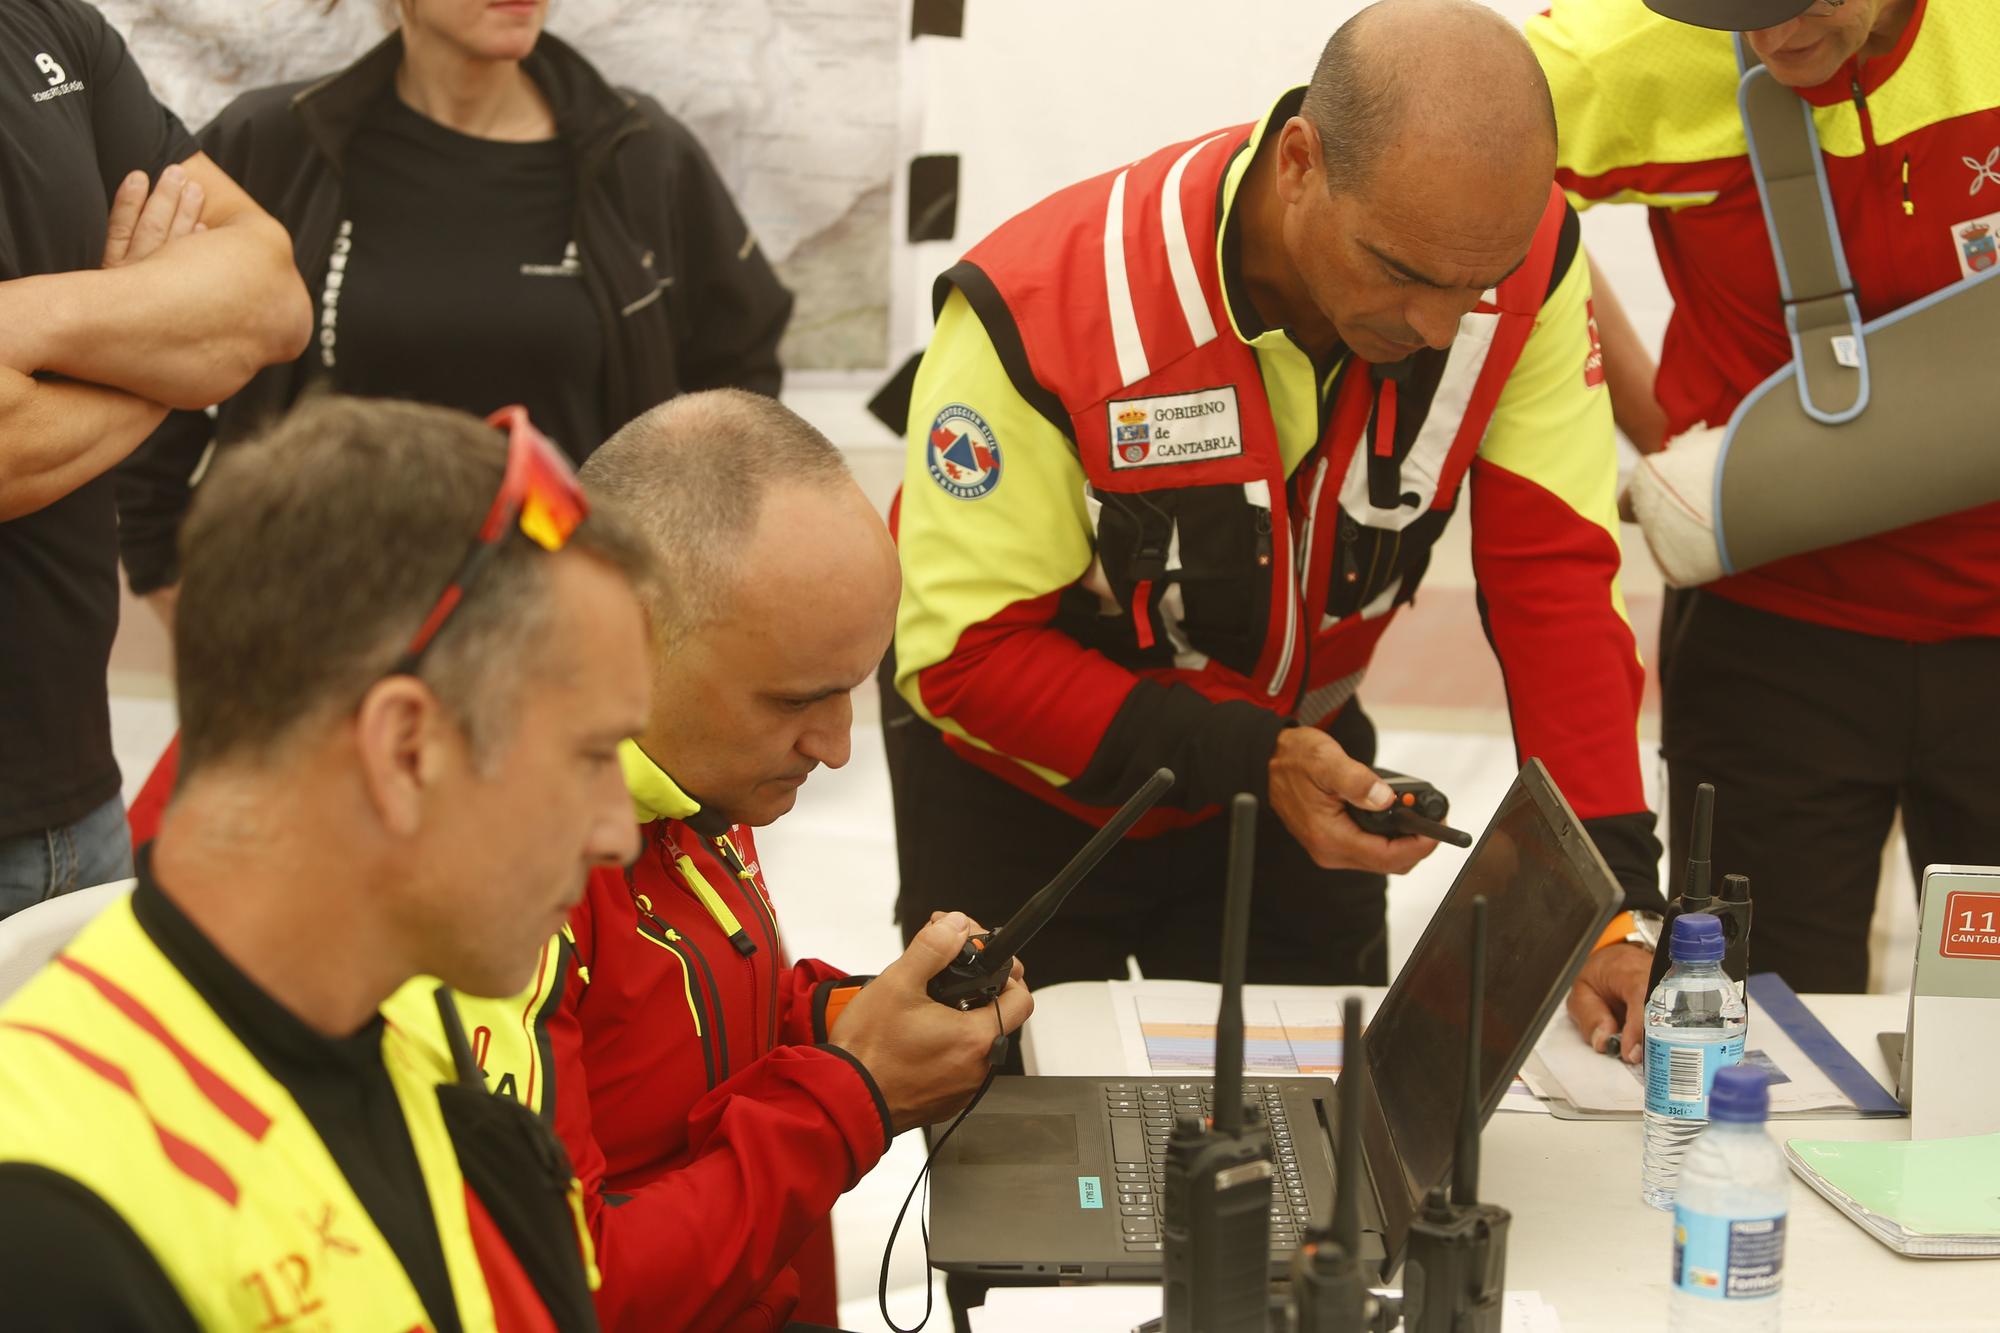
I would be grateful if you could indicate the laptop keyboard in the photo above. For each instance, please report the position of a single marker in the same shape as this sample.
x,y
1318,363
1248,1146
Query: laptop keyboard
x,y
1142,1120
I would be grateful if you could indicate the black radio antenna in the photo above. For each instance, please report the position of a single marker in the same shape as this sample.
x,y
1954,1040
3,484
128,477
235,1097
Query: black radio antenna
x,y
1235,945
1037,911
979,973
1465,1162
1455,1269
1696,884
1694,895
1353,1068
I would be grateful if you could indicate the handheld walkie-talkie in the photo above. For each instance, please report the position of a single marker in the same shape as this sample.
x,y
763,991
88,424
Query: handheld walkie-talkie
x,y
1694,895
1416,809
1216,1223
1330,1284
1732,908
1455,1274
982,967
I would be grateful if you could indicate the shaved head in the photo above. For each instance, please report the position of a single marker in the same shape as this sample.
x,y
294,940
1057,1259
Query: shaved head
x,y
1410,181
1450,80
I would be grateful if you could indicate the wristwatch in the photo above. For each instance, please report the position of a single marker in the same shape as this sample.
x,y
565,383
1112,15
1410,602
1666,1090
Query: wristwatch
x,y
1640,928
1645,930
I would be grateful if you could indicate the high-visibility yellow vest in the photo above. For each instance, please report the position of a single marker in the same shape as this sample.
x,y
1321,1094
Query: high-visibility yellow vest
x,y
116,1073
509,1037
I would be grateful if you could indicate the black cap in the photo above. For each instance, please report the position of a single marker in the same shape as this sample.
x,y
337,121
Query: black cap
x,y
1730,15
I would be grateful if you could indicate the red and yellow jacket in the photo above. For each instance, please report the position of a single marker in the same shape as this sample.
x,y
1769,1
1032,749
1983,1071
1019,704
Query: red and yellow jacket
x,y
682,1060
1138,529
1911,143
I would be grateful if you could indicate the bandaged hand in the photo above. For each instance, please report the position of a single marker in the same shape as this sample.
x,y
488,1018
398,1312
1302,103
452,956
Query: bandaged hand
x,y
1671,496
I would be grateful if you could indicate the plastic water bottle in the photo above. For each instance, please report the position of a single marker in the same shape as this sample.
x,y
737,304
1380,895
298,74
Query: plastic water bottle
x,y
1729,1222
1694,1026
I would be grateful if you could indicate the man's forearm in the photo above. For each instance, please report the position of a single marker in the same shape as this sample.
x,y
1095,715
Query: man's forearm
x,y
1628,370
56,435
187,327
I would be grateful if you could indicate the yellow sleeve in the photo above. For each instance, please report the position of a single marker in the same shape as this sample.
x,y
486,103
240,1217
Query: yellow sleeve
x,y
1553,422
1546,555
1644,105
978,543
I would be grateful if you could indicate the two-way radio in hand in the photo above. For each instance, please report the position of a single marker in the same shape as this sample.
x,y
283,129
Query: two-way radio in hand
x,y
981,971
1416,809
1330,1284
1455,1273
1216,1225
984,962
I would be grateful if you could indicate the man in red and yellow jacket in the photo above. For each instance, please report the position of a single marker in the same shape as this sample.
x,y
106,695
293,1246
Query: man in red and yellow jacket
x,y
1825,692
715,1096
1179,451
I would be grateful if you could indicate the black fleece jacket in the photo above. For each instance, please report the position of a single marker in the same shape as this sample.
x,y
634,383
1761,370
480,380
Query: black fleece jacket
x,y
687,299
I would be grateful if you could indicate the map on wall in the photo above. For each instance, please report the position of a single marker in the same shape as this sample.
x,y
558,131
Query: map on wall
x,y
796,101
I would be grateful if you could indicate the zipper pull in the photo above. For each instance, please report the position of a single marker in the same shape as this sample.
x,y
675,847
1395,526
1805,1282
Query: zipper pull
x,y
1860,98
726,848
1264,548
1909,208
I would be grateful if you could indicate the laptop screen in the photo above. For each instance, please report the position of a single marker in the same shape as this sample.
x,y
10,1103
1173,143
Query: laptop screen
x,y
1548,896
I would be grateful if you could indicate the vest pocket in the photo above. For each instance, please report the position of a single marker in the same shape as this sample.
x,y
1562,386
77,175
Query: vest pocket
x,y
1188,572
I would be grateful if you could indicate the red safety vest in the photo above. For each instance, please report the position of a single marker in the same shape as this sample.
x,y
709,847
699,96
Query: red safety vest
x,y
1226,573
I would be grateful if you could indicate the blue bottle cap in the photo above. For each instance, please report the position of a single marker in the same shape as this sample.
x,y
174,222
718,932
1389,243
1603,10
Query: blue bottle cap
x,y
1697,938
1741,1096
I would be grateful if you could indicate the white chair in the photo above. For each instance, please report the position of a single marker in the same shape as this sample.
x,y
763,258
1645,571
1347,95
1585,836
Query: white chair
x,y
33,935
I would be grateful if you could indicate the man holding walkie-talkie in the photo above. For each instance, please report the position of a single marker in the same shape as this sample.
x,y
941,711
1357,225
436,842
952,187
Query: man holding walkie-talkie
x,y
1179,451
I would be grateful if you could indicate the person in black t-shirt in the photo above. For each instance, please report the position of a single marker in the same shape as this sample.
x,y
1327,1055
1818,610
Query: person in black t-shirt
x,y
134,277
482,220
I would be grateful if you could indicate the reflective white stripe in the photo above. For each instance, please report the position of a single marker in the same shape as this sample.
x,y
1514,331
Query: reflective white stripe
x,y
1423,467
1258,493
1132,365
1180,259
1318,705
1173,609
1304,553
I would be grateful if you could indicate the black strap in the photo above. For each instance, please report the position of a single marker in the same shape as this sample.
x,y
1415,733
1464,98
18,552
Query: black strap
x,y
995,1056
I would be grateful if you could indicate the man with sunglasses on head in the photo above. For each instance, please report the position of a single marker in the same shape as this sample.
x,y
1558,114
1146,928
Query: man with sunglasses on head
x,y
135,277
1825,692
407,661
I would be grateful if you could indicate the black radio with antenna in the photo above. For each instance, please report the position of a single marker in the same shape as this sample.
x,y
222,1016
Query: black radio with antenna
x,y
1216,1215
1330,1280
984,963
1455,1274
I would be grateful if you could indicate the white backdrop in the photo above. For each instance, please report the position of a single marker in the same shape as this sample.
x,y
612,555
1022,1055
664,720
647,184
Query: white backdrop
x,y
1040,93
795,100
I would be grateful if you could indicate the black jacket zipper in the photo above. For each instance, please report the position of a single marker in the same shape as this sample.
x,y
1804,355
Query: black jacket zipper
x,y
732,860
663,848
675,943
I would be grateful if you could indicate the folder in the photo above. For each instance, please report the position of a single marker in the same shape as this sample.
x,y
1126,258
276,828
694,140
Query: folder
x,y
1929,1198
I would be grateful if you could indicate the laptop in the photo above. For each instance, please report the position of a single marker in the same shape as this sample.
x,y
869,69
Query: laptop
x,y
1058,1179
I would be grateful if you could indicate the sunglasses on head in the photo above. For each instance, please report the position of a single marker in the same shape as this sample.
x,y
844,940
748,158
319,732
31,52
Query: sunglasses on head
x,y
539,496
